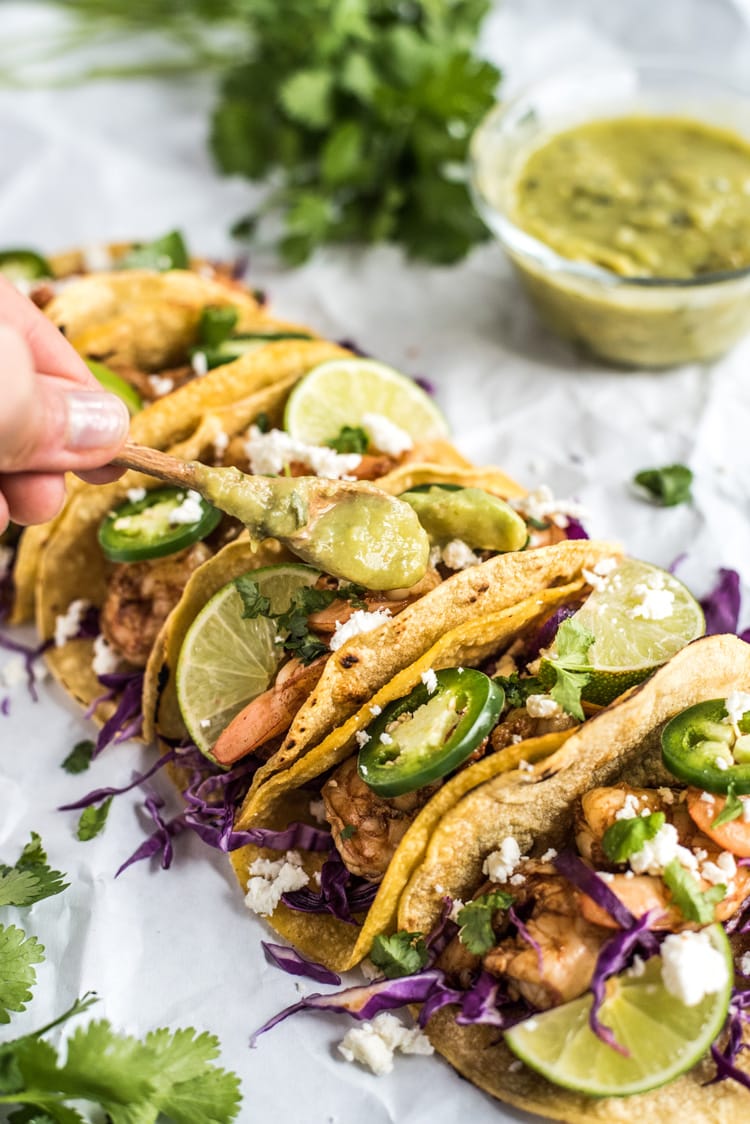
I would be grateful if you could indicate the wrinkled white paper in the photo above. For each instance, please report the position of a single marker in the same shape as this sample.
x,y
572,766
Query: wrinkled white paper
x,y
98,163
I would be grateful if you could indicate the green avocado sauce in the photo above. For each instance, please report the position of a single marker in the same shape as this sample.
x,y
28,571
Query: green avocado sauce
x,y
662,197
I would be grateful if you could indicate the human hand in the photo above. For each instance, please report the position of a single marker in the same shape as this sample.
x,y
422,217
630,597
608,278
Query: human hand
x,y
54,415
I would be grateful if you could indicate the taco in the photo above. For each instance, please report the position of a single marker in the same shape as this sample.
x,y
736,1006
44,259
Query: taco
x,y
600,900
144,330
495,691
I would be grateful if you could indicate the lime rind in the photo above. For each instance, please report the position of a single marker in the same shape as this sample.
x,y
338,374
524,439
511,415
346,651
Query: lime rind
x,y
226,660
341,391
665,1037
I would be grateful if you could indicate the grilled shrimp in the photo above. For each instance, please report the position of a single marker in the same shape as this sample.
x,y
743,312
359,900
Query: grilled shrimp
x,y
598,810
560,968
379,823
141,596
325,621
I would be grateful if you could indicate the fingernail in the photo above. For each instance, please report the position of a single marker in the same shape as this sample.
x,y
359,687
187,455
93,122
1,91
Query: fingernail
x,y
95,421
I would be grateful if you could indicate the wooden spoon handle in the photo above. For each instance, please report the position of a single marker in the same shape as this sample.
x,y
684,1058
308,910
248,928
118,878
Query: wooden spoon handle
x,y
154,463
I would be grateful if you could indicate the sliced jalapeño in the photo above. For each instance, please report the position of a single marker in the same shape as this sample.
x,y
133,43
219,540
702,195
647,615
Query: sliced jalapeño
x,y
427,734
162,522
701,746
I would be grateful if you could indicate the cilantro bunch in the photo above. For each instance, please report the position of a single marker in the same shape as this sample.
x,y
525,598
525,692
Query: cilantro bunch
x,y
357,112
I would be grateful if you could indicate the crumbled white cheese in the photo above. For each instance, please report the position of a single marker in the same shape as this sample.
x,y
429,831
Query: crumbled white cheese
x,y
199,363
361,738
270,453
386,739
374,1043
543,706
269,879
722,871
542,506
500,864
96,258
598,574
189,511
376,710
637,968
161,385
707,797
221,441
655,602
14,671
360,621
737,704
436,557
515,1066
515,739
745,801
549,855
525,766
666,795
429,678
605,875
458,555
386,436
135,495
657,853
318,810
630,808
204,723
68,624
517,879
745,964
105,659
6,560
692,967
456,908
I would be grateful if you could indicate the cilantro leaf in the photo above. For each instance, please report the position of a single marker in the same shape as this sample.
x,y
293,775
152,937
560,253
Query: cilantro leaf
x,y
694,904
572,643
347,832
401,954
79,758
732,809
169,1075
517,690
254,604
667,486
31,879
350,439
18,954
93,820
475,919
625,837
164,253
216,325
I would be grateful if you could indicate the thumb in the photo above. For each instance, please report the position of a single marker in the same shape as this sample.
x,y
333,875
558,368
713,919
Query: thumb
x,y
45,426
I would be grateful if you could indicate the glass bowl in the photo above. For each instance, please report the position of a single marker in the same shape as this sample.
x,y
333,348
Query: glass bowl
x,y
631,321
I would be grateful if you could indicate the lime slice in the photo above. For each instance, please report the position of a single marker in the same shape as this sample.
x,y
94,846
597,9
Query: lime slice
x,y
664,1037
227,660
342,391
641,616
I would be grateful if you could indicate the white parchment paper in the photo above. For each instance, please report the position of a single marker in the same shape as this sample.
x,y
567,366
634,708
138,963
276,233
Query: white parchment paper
x,y
96,163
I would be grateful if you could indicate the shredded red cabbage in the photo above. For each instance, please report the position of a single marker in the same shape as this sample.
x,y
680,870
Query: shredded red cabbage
x,y
722,605
525,935
100,794
442,932
291,961
354,347
738,1020
614,957
363,1002
427,385
575,529
30,657
127,719
484,1004
588,882
547,631
341,893
160,842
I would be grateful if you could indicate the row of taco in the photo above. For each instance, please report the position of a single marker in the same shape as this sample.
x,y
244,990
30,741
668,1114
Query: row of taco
x,y
366,755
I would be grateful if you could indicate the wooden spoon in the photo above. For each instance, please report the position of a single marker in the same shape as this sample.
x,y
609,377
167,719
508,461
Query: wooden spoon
x,y
348,528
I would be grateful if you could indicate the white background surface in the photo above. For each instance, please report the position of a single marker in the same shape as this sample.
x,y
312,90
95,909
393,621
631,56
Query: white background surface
x,y
115,160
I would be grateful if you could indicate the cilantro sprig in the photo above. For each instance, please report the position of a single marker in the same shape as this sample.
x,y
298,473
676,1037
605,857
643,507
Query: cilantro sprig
x,y
626,837
732,809
401,954
572,644
169,1075
666,486
517,690
694,904
350,439
475,920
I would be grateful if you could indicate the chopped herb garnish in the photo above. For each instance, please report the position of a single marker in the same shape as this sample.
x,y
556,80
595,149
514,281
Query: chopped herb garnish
x,y
92,821
254,604
347,832
164,253
31,879
694,904
216,325
79,758
624,838
572,644
350,439
517,690
262,422
475,919
401,954
732,809
667,486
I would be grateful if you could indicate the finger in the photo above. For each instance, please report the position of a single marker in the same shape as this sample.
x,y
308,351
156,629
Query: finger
x,y
49,348
33,498
101,475
47,427
4,514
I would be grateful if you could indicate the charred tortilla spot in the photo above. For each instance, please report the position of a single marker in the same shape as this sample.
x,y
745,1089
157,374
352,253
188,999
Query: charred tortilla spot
x,y
349,661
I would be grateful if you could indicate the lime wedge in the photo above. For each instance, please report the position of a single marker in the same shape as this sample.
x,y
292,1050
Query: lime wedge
x,y
342,391
227,660
664,1037
640,617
